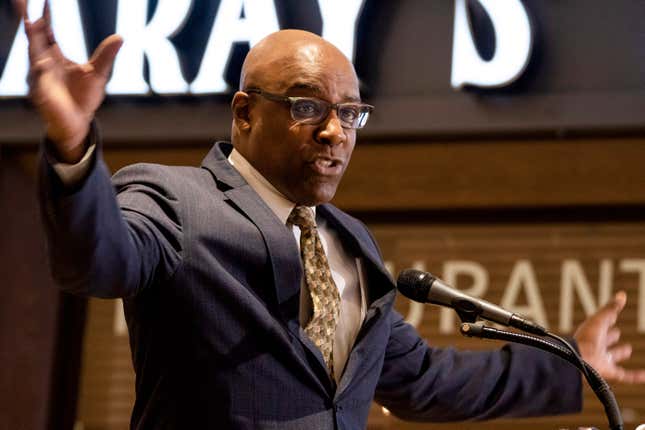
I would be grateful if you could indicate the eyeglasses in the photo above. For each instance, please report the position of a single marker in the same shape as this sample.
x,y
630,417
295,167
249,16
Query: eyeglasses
x,y
313,111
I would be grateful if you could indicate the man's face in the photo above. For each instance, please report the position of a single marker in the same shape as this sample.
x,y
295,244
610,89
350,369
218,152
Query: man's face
x,y
304,162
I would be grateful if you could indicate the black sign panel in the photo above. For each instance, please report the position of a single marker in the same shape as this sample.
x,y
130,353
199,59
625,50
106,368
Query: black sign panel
x,y
585,72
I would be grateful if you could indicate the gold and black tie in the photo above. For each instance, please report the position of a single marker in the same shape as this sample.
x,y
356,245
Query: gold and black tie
x,y
321,329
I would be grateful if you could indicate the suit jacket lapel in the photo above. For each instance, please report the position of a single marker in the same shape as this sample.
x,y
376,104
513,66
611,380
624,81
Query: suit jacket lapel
x,y
379,289
281,248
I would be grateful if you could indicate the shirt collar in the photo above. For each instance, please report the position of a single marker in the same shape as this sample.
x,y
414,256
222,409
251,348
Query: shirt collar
x,y
279,204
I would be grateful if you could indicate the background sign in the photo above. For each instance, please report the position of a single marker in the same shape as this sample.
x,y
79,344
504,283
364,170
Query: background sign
x,y
572,67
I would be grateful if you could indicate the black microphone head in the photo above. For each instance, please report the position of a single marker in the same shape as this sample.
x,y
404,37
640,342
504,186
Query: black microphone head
x,y
415,284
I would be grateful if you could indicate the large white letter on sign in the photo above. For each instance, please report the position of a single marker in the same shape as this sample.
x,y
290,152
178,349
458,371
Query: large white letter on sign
x,y
259,20
340,18
575,280
638,266
523,278
67,28
150,39
513,45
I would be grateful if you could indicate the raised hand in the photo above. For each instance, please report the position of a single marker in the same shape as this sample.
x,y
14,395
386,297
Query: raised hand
x,y
597,339
65,93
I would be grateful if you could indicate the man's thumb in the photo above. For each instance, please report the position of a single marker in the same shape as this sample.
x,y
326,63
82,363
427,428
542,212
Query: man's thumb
x,y
103,57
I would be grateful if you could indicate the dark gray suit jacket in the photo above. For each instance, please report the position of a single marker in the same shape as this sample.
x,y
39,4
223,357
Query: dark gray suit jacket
x,y
210,279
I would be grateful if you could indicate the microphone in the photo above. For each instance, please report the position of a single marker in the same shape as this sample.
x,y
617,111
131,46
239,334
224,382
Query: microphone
x,y
424,288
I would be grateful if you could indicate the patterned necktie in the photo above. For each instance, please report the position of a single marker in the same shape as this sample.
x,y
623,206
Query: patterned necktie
x,y
321,328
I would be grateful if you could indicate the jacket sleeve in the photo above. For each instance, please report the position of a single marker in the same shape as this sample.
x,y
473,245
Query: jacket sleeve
x,y
110,240
421,383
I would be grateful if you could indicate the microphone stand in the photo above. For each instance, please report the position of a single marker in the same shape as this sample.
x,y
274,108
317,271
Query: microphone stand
x,y
599,386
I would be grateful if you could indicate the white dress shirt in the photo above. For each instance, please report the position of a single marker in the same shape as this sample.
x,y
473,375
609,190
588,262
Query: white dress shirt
x,y
347,271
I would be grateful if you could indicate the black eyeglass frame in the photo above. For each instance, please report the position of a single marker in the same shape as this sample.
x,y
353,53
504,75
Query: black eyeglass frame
x,y
364,109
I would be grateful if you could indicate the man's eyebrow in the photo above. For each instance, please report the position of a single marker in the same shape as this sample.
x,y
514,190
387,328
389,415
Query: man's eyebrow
x,y
305,86
315,89
353,99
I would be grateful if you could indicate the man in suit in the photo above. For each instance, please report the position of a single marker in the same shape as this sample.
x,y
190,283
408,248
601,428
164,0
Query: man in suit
x,y
252,302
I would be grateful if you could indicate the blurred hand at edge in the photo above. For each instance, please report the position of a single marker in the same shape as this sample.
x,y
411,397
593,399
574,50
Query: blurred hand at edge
x,y
597,339
66,94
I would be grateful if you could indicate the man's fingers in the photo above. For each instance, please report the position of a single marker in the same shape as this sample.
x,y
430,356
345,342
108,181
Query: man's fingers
x,y
35,78
47,16
628,376
42,65
20,6
39,33
37,69
620,299
634,376
613,335
38,38
609,312
103,57
42,41
620,352
54,48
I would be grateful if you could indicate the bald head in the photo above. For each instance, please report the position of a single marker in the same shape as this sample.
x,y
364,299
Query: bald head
x,y
288,55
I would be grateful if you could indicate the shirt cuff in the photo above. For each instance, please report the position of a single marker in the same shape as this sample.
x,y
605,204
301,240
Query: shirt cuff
x,y
72,174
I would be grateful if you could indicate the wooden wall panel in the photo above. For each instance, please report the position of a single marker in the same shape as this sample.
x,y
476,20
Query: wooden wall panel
x,y
492,174
107,382
37,376
439,175
420,175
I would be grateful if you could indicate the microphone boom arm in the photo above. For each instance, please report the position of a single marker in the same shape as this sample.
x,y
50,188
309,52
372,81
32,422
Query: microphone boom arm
x,y
599,386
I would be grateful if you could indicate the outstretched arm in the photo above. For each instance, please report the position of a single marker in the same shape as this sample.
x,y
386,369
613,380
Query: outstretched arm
x,y
423,383
97,245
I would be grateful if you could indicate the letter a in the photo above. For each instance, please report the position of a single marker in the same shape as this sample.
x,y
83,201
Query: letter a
x,y
150,39
260,20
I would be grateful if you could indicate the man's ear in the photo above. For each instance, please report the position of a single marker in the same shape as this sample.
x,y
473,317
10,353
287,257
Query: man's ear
x,y
241,115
